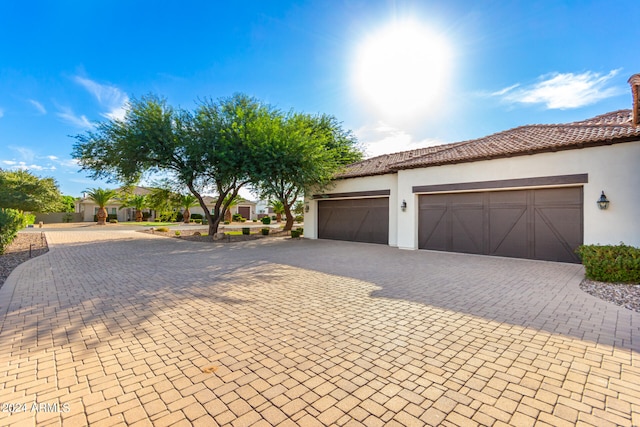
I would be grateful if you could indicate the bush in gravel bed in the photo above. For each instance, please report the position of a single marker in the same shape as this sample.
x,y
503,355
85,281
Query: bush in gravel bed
x,y
11,221
617,264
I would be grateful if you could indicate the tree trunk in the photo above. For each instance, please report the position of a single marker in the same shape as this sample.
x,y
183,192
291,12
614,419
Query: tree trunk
x,y
102,216
287,212
138,215
186,215
227,215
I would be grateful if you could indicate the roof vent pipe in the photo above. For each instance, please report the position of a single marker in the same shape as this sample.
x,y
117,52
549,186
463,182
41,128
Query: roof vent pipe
x,y
634,81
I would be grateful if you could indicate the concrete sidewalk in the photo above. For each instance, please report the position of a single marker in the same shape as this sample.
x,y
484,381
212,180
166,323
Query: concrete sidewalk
x,y
124,328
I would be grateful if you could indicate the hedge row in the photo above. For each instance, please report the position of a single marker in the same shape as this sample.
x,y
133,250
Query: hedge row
x,y
620,264
11,221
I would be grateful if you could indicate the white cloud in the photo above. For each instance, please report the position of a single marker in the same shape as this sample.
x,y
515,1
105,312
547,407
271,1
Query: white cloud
x,y
563,91
383,139
26,154
68,115
109,97
25,166
38,106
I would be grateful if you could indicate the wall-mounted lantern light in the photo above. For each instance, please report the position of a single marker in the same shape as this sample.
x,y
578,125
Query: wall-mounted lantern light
x,y
603,203
306,207
403,206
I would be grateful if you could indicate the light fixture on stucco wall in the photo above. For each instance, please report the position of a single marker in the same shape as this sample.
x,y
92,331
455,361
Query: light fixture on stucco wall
x,y
403,206
603,202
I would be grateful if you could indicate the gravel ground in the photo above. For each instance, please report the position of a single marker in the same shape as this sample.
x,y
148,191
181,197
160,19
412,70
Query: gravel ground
x,y
626,295
18,252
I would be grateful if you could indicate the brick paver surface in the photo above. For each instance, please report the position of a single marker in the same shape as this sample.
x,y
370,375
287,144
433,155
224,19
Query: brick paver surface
x,y
121,328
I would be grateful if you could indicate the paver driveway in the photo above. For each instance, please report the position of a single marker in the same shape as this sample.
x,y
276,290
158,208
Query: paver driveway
x,y
124,328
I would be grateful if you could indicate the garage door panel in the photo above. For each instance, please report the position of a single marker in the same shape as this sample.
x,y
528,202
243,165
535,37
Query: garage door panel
x,y
433,234
357,220
540,224
556,235
467,228
507,226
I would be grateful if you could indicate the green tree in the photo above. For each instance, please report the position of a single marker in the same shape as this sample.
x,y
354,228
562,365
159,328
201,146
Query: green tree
x,y
68,203
300,152
204,150
187,201
23,191
163,200
278,209
228,204
136,201
101,197
298,207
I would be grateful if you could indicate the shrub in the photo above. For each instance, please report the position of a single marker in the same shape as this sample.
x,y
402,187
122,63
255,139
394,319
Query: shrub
x,y
198,221
177,232
266,220
246,231
610,263
295,234
226,223
265,231
162,229
298,218
67,217
29,218
236,217
273,217
195,216
300,229
113,221
11,221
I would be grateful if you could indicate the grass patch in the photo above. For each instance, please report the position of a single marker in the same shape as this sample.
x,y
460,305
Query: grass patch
x,y
148,223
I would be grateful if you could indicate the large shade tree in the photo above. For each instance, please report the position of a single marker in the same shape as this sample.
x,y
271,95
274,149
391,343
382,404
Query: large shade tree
x,y
23,191
204,150
300,152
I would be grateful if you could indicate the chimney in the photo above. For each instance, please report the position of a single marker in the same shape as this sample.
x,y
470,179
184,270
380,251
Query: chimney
x,y
634,81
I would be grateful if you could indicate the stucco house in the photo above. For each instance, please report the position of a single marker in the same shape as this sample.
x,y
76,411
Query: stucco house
x,y
529,192
88,208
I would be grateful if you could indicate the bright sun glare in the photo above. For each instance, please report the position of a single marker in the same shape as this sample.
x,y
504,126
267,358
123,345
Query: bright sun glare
x,y
402,69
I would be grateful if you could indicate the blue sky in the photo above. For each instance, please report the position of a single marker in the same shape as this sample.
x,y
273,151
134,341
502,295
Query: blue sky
x,y
399,74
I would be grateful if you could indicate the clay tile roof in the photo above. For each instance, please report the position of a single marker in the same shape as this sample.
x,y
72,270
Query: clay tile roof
x,y
604,129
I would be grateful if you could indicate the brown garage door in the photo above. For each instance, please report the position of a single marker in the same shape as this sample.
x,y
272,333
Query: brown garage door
x,y
543,224
355,220
245,211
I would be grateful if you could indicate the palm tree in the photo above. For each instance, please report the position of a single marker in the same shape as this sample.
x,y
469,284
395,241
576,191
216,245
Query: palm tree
x,y
101,197
278,209
187,201
230,202
138,202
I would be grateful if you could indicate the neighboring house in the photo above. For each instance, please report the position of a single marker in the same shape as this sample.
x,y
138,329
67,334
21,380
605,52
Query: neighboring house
x,y
245,208
88,208
528,192
263,208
